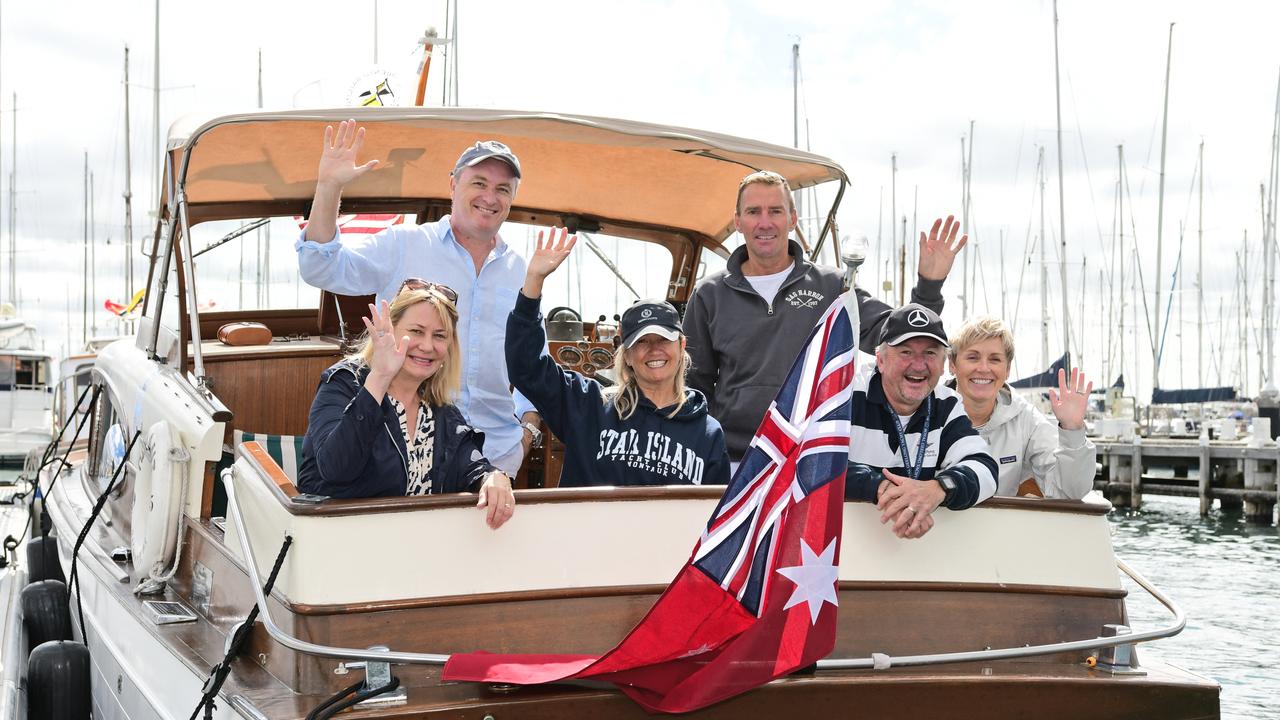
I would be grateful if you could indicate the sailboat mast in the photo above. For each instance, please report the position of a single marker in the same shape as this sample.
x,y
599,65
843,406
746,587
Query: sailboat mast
x,y
13,207
15,150
1164,139
264,233
797,195
879,241
93,260
1044,274
84,289
964,228
155,112
1004,313
128,188
893,216
902,264
1200,279
1264,334
1120,224
1270,247
1243,275
1062,211
971,278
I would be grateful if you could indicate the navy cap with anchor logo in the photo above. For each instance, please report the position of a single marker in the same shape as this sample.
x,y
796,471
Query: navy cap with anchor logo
x,y
650,317
911,321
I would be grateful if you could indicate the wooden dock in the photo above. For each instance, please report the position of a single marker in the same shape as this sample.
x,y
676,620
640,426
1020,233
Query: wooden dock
x,y
1241,475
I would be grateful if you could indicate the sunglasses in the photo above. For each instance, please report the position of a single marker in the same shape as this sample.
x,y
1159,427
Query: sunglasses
x,y
444,291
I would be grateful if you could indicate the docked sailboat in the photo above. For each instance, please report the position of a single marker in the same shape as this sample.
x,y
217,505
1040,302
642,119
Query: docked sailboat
x,y
1012,608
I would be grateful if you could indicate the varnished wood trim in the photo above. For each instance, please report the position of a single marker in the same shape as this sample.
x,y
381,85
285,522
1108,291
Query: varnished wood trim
x,y
258,454
281,321
537,496
206,494
478,599
917,586
540,496
312,346
621,590
1034,503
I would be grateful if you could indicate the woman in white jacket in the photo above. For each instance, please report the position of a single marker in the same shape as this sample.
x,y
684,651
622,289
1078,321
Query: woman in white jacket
x,y
1056,457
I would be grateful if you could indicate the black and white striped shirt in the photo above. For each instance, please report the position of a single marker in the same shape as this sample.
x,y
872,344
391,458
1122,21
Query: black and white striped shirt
x,y
953,448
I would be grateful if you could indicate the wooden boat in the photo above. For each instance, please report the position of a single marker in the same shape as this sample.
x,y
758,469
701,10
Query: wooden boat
x,y
1001,611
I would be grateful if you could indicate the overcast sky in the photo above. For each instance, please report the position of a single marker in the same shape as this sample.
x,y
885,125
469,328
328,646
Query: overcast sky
x,y
879,78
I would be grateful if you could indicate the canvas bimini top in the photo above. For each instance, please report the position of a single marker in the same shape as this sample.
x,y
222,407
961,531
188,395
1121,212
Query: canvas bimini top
x,y
629,174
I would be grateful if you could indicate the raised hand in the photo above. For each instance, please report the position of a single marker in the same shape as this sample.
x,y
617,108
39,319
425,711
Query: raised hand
x,y
938,251
1071,399
388,353
551,253
338,158
552,250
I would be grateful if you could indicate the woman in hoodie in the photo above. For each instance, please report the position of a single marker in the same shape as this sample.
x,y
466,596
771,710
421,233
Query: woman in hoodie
x,y
648,429
1035,455
383,423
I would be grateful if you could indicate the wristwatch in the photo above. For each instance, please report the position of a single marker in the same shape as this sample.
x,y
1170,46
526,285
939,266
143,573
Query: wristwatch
x,y
948,484
534,433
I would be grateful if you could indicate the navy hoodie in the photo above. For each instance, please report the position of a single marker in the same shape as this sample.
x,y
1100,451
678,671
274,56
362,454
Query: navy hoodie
x,y
354,447
647,448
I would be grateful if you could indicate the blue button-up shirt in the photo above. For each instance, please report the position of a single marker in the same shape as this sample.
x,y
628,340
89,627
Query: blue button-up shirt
x,y
356,264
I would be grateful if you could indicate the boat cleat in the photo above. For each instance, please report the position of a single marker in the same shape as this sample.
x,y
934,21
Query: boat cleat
x,y
1118,659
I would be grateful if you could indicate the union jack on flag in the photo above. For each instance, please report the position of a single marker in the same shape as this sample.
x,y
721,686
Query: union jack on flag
x,y
801,445
725,624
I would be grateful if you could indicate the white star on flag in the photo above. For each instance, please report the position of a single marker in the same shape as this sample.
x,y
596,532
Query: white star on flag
x,y
815,579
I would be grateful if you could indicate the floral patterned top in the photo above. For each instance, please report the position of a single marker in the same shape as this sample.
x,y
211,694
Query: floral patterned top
x,y
421,447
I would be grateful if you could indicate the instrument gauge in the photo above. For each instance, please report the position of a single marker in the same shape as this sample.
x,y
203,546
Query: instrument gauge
x,y
569,355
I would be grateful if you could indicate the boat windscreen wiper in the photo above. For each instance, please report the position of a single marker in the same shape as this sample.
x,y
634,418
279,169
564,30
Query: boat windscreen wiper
x,y
248,227
591,244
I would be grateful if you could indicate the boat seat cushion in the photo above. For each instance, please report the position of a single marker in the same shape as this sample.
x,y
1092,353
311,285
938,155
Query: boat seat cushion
x,y
286,450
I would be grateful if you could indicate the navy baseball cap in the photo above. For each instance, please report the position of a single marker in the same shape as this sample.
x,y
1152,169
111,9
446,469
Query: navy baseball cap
x,y
650,317
484,150
911,321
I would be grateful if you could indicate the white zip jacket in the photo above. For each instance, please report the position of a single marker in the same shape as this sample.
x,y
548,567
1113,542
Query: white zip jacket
x,y
1027,444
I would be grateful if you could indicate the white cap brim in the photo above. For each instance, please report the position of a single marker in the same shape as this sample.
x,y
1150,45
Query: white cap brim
x,y
665,332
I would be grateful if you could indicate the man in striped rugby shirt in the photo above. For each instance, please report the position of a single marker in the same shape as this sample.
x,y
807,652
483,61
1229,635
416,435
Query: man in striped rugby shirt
x,y
912,448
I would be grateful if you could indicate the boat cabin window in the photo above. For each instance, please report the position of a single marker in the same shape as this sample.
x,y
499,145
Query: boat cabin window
x,y
586,283
107,442
249,264
32,372
18,372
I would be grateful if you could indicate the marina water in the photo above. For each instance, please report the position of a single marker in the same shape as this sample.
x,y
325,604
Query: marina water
x,y
1225,574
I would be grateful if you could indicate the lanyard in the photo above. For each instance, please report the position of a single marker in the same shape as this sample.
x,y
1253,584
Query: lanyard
x,y
924,440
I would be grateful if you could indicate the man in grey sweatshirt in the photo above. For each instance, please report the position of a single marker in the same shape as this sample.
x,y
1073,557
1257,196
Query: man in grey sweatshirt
x,y
745,324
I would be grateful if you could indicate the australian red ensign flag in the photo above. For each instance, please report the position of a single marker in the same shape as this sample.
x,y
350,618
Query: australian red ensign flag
x,y
757,599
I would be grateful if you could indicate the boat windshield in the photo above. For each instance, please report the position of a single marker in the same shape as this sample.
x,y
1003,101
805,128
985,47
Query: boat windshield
x,y
251,264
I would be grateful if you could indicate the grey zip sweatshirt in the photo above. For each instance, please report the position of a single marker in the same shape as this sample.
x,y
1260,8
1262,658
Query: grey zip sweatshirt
x,y
742,347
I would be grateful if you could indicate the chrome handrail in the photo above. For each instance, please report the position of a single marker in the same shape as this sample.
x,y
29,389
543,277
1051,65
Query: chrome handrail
x,y
883,662
877,662
284,638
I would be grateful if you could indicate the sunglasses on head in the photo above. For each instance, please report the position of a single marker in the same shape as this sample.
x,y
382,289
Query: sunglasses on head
x,y
445,291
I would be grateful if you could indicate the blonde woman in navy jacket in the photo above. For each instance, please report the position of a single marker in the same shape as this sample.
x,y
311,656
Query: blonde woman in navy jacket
x,y
383,423
649,429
